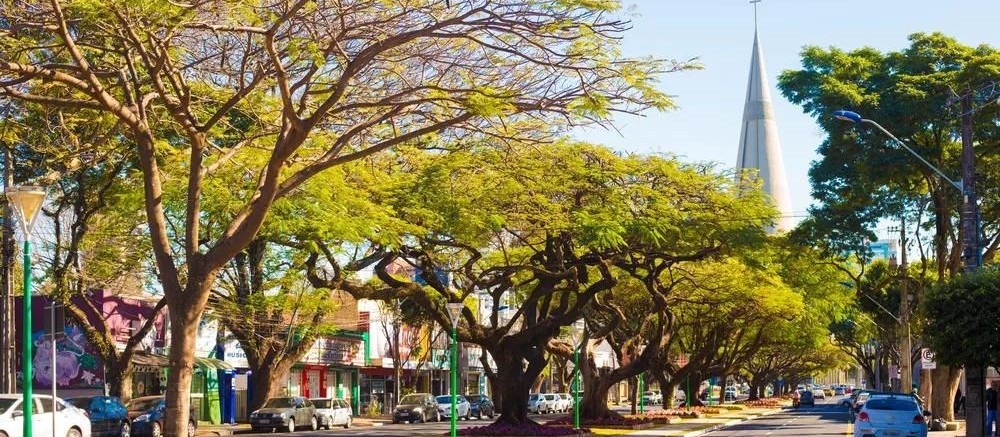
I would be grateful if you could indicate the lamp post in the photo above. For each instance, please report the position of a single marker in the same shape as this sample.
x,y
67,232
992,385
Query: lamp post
x,y
972,253
27,202
454,311
577,335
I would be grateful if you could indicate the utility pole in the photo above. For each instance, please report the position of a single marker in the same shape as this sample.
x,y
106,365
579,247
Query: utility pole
x,y
906,377
975,376
8,364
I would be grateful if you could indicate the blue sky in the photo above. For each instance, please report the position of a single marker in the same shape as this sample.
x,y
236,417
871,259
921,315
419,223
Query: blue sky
x,y
719,33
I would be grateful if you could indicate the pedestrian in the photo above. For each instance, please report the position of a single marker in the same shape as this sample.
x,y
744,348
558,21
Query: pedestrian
x,y
991,407
959,402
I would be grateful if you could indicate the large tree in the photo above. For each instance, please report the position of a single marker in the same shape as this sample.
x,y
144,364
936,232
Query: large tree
x,y
863,177
95,244
328,82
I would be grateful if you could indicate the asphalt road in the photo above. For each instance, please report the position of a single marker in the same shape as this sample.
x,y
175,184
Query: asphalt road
x,y
398,430
825,419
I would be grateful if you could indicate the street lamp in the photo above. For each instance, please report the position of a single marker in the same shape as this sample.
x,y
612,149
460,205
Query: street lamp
x,y
974,375
27,202
576,335
856,118
454,311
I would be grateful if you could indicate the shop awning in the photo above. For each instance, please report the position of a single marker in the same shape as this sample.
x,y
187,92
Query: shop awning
x,y
156,360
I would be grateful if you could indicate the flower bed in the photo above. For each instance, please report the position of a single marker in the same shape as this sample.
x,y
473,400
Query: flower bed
x,y
627,422
659,419
766,402
502,430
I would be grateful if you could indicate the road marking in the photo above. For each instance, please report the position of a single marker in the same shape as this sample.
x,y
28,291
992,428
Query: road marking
x,y
850,428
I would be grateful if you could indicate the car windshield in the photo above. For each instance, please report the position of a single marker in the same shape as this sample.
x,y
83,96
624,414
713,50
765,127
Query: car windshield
x,y
533,397
473,398
144,404
648,393
278,403
81,403
891,404
412,399
444,399
6,403
323,403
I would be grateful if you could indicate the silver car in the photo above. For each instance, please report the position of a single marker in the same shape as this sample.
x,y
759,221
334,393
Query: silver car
x,y
286,413
333,412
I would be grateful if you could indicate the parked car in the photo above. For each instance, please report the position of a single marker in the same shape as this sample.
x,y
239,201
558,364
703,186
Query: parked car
x,y
148,414
539,403
651,398
555,402
463,409
416,407
285,412
818,393
891,414
806,397
567,401
70,421
481,406
839,390
332,412
108,415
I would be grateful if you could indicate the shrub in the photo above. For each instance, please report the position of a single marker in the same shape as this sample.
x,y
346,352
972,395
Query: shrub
x,y
520,430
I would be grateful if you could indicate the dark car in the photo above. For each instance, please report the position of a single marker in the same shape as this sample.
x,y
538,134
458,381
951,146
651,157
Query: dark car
x,y
148,414
806,398
416,407
482,406
108,415
285,412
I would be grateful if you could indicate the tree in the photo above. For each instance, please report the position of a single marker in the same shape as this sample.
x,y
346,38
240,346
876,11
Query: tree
x,y
95,243
863,177
330,83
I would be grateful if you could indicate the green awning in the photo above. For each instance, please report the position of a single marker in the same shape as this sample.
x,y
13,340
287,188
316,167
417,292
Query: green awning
x,y
157,360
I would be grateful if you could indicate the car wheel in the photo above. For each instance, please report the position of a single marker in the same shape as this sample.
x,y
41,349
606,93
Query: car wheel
x,y
191,429
157,430
74,432
291,425
347,425
314,424
125,430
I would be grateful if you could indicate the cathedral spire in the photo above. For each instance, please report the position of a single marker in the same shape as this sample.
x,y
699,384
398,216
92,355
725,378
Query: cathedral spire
x,y
760,149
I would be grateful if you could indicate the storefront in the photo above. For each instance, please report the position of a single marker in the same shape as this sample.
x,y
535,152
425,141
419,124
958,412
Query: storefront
x,y
331,368
208,387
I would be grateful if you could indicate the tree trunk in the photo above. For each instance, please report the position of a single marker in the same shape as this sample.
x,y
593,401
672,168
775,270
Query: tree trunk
x,y
942,400
119,378
926,384
595,399
722,389
183,332
267,382
514,382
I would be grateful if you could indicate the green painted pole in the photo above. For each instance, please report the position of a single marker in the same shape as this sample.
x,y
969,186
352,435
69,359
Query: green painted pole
x,y
576,388
642,402
26,356
454,380
688,393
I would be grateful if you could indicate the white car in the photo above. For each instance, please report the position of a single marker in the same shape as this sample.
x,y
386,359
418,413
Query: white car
x,y
567,401
463,409
70,421
333,412
539,403
890,415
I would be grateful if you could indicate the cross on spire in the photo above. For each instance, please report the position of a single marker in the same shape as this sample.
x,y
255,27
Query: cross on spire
x,y
754,3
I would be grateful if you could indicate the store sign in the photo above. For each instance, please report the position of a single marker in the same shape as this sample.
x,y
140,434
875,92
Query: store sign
x,y
335,351
235,356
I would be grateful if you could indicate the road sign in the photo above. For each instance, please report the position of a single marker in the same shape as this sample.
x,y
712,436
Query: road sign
x,y
927,359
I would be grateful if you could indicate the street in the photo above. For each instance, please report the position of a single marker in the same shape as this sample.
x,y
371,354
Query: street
x,y
825,419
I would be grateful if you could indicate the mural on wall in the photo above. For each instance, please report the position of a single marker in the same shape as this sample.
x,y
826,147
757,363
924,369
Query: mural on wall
x,y
75,365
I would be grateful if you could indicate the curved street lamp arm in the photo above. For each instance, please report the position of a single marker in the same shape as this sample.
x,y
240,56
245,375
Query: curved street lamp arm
x,y
956,184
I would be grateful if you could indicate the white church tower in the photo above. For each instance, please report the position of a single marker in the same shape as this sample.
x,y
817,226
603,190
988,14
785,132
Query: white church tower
x,y
760,149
